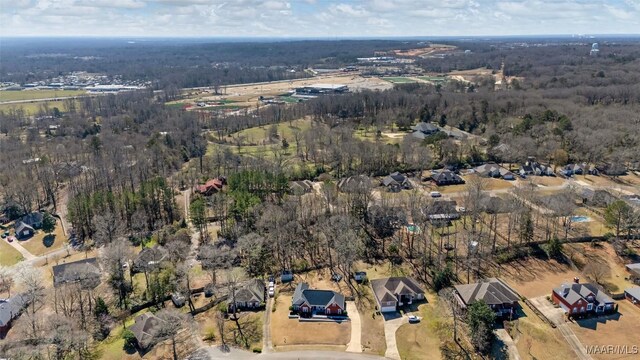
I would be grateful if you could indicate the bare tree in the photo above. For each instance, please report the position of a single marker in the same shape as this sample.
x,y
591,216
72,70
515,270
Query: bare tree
x,y
172,323
108,227
115,258
6,280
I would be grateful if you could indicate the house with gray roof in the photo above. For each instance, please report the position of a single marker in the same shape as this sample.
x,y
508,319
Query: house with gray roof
x,y
309,302
150,258
394,292
444,210
580,299
354,184
493,170
446,177
10,309
423,130
395,182
86,272
33,219
146,329
633,295
494,292
249,295
634,270
23,230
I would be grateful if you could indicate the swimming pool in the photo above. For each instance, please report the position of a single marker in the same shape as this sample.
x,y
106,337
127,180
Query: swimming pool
x,y
580,218
413,228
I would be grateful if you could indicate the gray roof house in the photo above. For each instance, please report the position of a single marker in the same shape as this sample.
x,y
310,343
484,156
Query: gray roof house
x,y
354,184
146,329
422,130
395,291
87,272
10,309
634,269
248,295
395,182
442,210
312,301
23,230
150,258
494,292
301,187
633,295
33,219
495,171
531,167
446,177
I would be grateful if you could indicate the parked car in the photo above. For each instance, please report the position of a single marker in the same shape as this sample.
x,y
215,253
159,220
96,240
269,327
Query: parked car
x,y
336,277
271,279
414,319
435,194
10,239
272,291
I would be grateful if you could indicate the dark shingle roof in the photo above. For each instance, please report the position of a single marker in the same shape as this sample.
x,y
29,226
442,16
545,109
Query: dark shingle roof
x,y
425,127
145,329
581,291
386,289
11,308
493,291
85,271
252,290
149,256
316,297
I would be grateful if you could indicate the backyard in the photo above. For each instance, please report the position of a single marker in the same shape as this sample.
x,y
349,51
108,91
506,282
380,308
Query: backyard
x,y
424,339
42,243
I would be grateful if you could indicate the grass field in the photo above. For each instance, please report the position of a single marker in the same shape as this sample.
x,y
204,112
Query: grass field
x,y
32,108
433,78
285,331
285,130
42,243
37,94
399,80
422,340
535,339
8,255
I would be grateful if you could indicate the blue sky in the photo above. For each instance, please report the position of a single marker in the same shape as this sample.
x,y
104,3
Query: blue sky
x,y
316,18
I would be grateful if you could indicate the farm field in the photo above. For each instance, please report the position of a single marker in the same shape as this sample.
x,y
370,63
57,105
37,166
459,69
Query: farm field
x,y
37,94
32,108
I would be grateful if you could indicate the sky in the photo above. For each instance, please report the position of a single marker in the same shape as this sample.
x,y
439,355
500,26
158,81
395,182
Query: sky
x,y
316,18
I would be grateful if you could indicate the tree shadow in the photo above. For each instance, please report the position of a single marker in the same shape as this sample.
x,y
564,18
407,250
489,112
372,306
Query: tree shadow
x,y
48,240
592,323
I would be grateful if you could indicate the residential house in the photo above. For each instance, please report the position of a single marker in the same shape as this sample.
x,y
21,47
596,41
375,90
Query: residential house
x,y
423,130
395,182
598,198
249,295
633,295
146,329
354,184
308,301
212,186
442,210
494,292
23,231
86,272
493,170
446,177
577,298
394,292
150,258
33,219
532,167
634,270
10,309
301,187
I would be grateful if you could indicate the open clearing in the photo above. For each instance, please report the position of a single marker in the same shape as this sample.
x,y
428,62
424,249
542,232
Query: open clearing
x,y
399,80
422,340
38,94
534,277
536,339
32,108
8,255
617,329
285,331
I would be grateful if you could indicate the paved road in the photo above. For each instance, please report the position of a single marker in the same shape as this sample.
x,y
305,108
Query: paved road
x,y
355,344
391,324
214,353
267,343
512,350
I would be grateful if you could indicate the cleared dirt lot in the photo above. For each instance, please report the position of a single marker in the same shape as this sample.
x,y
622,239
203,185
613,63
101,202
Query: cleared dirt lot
x,y
618,329
534,277
286,332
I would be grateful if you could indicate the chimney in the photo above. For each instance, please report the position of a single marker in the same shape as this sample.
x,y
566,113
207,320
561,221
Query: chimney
x,y
565,291
576,280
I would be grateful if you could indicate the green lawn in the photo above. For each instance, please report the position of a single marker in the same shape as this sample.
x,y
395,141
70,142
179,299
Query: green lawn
x,y
433,78
37,94
42,243
33,107
285,130
398,80
8,255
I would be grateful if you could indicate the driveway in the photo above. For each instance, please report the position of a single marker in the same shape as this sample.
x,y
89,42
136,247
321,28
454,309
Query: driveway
x,y
556,315
354,344
267,344
506,339
392,322
214,353
25,253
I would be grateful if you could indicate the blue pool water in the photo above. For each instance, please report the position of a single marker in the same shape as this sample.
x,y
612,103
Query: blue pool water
x,y
580,218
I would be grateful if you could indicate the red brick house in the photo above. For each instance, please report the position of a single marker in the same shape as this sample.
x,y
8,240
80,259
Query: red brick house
x,y
581,299
317,302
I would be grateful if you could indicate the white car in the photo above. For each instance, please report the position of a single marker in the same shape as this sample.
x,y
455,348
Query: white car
x,y
272,291
435,194
414,319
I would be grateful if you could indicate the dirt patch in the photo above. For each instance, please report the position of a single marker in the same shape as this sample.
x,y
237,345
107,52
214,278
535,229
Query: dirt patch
x,y
534,277
285,331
